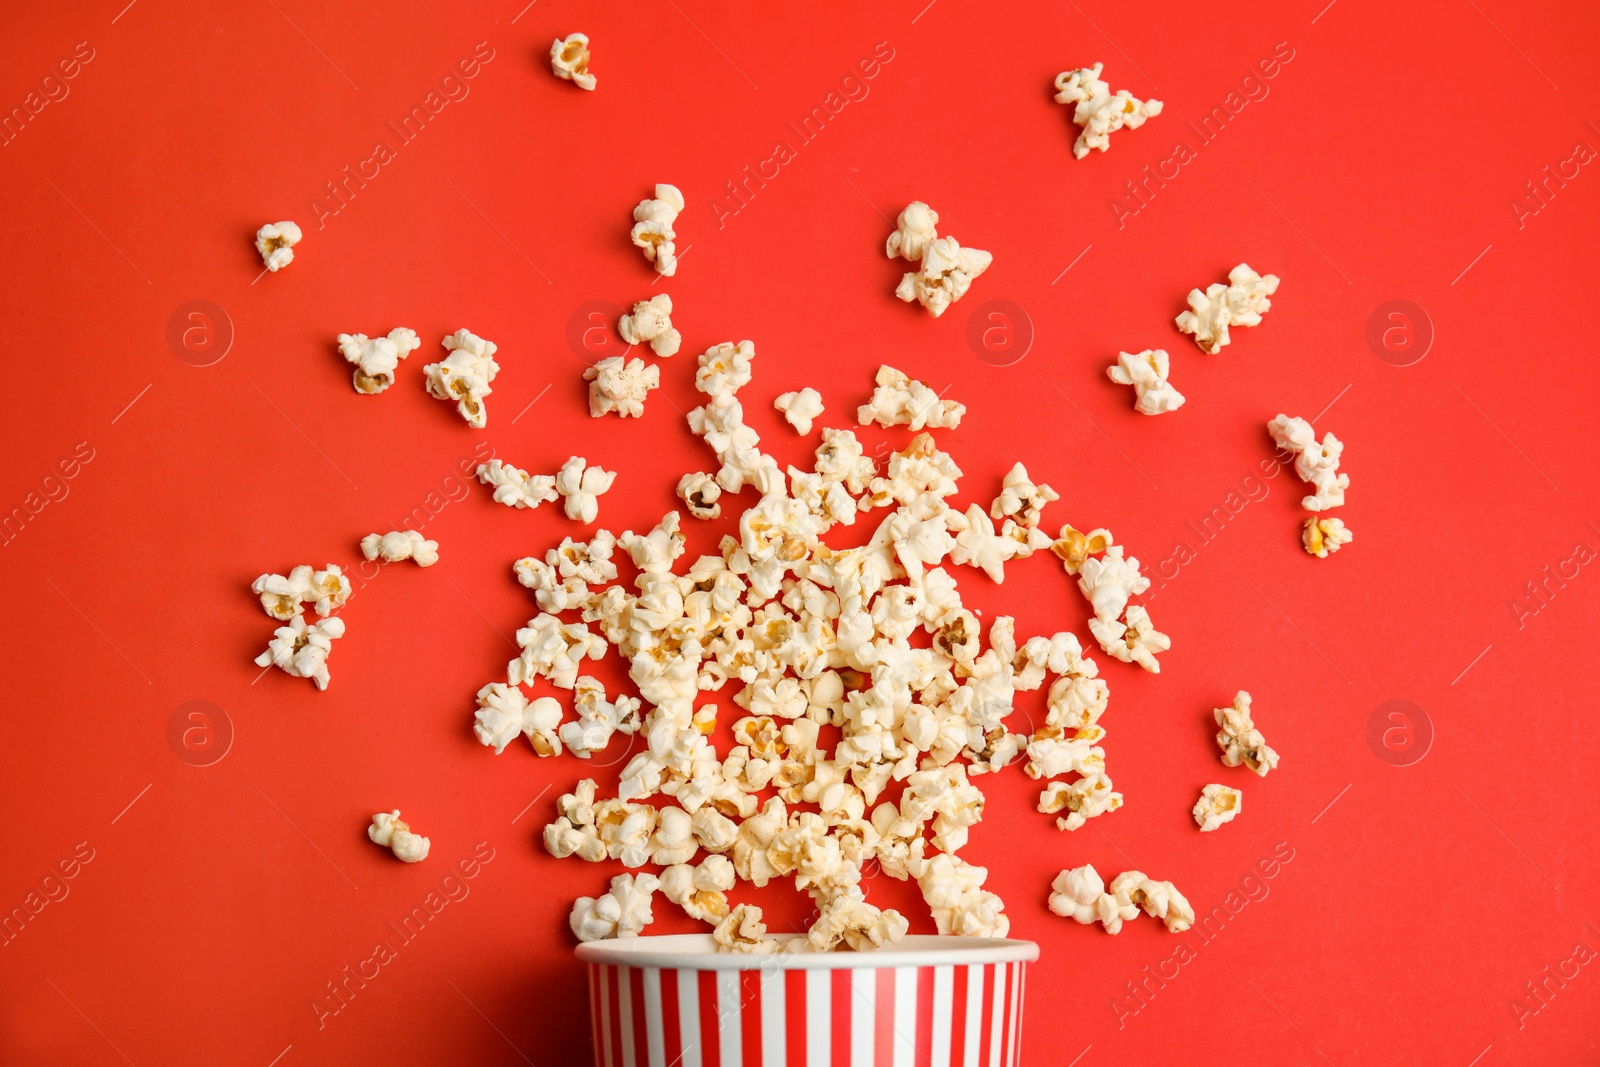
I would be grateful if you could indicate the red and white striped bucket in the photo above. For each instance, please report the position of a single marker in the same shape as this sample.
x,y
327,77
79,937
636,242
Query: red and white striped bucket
x,y
674,1001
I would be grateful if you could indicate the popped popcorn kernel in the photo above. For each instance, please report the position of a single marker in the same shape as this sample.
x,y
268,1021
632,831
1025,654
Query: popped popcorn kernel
x,y
799,409
620,385
1240,741
581,486
944,276
1160,900
390,832
376,358
743,931
515,487
1241,302
900,400
915,229
464,375
652,228
301,651
1147,373
1074,547
623,911
650,322
1322,536
1314,462
1218,804
397,545
699,493
569,60
1098,112
275,241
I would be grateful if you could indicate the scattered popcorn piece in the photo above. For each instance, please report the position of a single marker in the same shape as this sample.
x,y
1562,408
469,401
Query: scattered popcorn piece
x,y
800,408
397,545
1109,580
700,889
1098,112
1240,741
1133,640
1020,501
1217,804
1239,303
652,228
582,485
282,596
743,931
553,649
953,889
1314,462
275,241
914,231
624,911
464,375
504,712
377,357
1080,895
1074,547
650,322
569,59
1147,373
619,385
515,487
725,369
301,651
1160,900
900,400
945,275
699,493
388,830
1082,800
1322,536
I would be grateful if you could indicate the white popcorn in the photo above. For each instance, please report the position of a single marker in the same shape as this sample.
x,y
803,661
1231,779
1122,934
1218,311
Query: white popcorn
x,y
301,651
743,931
700,890
397,545
275,241
799,409
724,369
1322,536
377,357
1217,804
1240,741
1098,112
900,400
1314,462
1239,303
845,917
624,911
464,375
652,228
581,486
553,649
1080,894
388,830
282,596
1082,800
1133,640
650,323
953,889
597,718
1108,581
1292,434
1020,501
914,231
620,385
569,60
504,712
945,275
1159,899
1147,373
978,544
699,493
515,487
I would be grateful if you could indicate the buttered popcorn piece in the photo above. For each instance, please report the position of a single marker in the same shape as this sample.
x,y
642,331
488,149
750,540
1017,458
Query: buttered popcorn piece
x,y
624,910
389,831
1241,302
1322,536
1074,547
1147,373
650,322
515,487
700,493
1097,111
914,231
301,651
800,408
652,228
1240,741
569,60
620,385
464,375
944,276
376,358
581,486
275,241
1217,804
901,400
397,545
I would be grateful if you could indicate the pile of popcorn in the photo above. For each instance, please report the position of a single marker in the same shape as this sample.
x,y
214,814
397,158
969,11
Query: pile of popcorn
x,y
864,698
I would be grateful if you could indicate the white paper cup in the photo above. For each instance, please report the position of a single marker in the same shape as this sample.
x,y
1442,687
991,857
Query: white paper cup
x,y
675,1001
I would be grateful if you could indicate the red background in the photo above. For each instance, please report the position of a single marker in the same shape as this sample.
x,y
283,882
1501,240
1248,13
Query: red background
x,y
1380,166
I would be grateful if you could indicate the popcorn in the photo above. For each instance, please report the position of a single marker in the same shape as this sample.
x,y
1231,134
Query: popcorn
x,y
388,830
598,718
1020,501
650,322
953,890
1240,741
800,408
945,275
376,358
1315,463
624,911
978,544
1158,899
301,651
1322,536
914,231
700,890
581,486
900,400
515,487
464,375
1080,895
275,241
504,712
1074,548
1147,373
699,493
1133,640
1098,112
569,60
1082,800
844,916
397,545
724,369
1108,581
652,228
1239,303
619,385
554,650
1217,804
282,596
743,931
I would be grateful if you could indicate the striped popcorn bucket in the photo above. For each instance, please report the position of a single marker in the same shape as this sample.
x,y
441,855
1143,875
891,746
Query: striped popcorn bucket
x,y
674,1001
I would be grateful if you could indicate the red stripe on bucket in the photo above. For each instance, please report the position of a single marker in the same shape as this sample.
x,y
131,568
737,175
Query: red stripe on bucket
x,y
797,1013
710,1045
671,1030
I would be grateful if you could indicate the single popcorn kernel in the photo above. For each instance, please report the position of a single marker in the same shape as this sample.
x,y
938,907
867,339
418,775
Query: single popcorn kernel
x,y
1098,111
1073,547
1241,302
376,358
569,60
398,545
464,375
699,493
1322,536
388,830
1147,373
1240,741
651,322
1218,804
275,241
652,228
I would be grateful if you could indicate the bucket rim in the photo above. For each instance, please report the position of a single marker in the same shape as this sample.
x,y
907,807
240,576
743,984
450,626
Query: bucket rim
x,y
698,952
